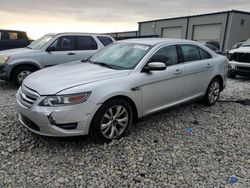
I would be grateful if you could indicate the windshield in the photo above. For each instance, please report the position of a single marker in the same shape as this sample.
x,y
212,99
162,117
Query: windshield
x,y
247,43
121,55
39,43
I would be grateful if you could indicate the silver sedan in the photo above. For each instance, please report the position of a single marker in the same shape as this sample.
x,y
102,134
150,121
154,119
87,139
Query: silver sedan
x,y
103,95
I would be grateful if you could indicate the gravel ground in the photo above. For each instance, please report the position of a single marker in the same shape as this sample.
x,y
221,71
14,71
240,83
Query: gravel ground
x,y
186,146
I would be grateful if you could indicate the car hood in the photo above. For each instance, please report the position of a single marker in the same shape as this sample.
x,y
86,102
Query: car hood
x,y
240,50
16,51
52,80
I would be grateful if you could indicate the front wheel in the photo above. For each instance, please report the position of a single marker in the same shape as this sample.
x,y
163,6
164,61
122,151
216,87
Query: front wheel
x,y
112,121
213,92
20,73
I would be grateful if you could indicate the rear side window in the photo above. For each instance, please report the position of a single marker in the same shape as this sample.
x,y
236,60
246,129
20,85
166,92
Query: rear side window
x,y
105,40
22,36
204,54
0,35
190,53
13,35
86,43
167,55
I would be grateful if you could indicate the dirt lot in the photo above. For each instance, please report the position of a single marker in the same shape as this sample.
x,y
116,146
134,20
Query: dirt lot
x,y
186,146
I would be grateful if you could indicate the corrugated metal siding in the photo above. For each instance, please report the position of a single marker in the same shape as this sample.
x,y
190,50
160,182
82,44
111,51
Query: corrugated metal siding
x,y
237,31
231,29
206,20
124,34
155,28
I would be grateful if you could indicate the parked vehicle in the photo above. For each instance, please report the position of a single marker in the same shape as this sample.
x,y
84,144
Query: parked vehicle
x,y
10,39
212,42
237,45
214,48
103,95
50,50
239,60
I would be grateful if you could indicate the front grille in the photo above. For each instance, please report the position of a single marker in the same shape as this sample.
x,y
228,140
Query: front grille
x,y
27,97
242,57
243,68
29,123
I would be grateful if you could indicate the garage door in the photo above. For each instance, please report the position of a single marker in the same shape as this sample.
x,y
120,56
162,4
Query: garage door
x,y
172,32
207,32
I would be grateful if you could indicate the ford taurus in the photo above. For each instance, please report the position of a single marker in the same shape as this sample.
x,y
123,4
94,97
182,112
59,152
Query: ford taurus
x,y
103,95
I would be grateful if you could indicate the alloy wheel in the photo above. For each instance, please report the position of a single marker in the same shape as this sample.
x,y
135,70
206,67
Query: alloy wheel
x,y
214,92
114,122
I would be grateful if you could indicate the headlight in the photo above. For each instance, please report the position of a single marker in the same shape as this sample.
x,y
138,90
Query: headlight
x,y
61,100
4,58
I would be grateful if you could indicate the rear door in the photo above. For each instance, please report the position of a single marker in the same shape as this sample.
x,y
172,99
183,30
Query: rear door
x,y
64,51
161,89
197,67
85,46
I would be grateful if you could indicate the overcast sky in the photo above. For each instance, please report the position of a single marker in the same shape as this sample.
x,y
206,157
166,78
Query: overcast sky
x,y
41,17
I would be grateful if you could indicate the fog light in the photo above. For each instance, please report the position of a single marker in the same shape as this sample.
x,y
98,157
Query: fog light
x,y
67,126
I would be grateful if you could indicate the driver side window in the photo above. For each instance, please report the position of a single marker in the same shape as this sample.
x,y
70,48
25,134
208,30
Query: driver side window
x,y
167,55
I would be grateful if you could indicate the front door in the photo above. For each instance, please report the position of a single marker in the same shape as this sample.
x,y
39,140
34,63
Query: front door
x,y
161,89
63,51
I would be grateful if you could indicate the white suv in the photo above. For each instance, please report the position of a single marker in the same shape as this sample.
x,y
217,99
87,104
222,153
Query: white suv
x,y
51,49
239,60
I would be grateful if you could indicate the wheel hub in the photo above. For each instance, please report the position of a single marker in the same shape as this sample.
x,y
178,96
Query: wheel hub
x,y
22,75
214,92
114,122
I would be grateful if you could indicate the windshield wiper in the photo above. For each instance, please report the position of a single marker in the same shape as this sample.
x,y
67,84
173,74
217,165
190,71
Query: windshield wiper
x,y
103,64
29,47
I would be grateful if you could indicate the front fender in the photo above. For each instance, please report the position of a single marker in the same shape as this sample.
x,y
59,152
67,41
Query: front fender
x,y
25,62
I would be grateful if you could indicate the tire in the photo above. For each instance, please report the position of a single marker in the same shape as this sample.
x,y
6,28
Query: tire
x,y
213,92
231,75
20,73
106,127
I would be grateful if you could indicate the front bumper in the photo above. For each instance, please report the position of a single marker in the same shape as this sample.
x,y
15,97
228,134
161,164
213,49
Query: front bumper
x,y
45,120
239,68
5,71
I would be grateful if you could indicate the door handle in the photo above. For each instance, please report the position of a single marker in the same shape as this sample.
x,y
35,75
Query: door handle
x,y
178,71
71,53
208,65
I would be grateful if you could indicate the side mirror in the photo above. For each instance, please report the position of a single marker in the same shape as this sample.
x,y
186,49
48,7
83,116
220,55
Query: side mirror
x,y
51,49
155,66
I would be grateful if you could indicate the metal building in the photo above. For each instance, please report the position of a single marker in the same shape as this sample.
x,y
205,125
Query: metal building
x,y
226,27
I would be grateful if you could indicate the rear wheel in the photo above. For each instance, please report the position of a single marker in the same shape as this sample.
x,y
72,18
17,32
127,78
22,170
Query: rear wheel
x,y
213,92
112,121
20,73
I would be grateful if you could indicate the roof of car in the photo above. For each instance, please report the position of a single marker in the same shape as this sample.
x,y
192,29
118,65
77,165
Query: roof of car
x,y
155,41
76,33
8,30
